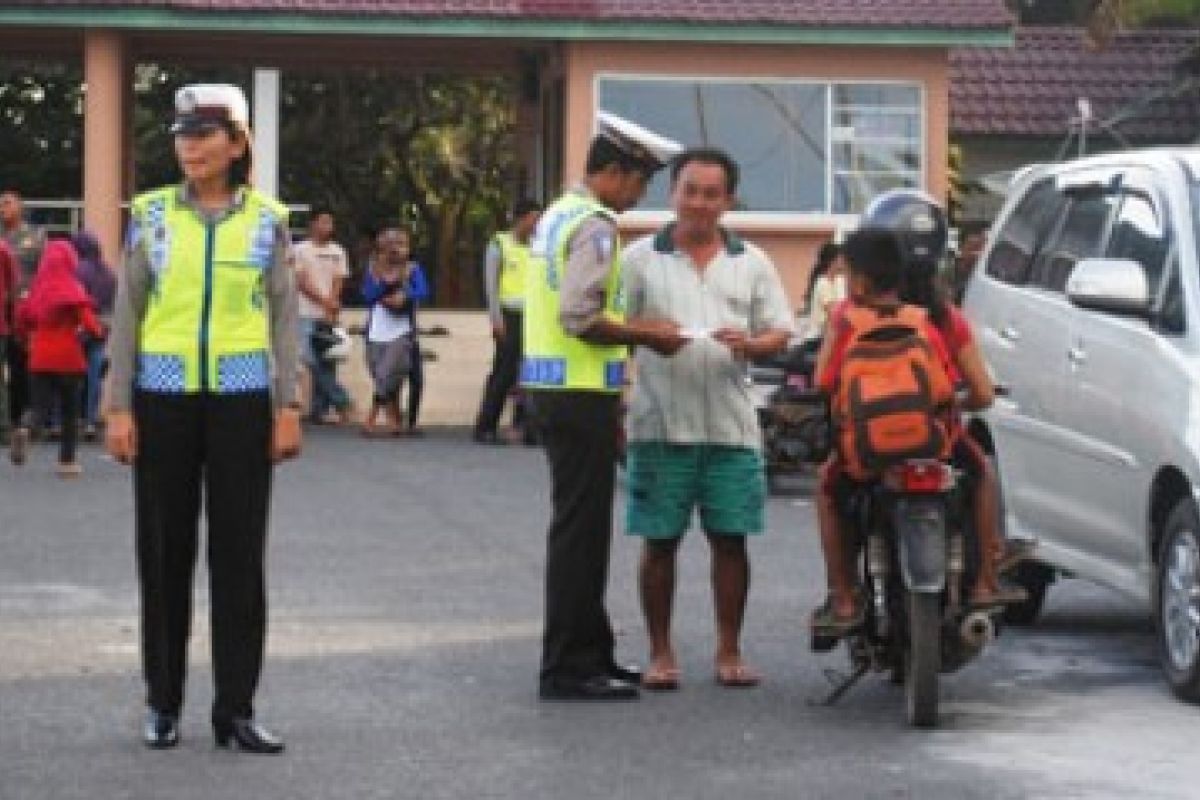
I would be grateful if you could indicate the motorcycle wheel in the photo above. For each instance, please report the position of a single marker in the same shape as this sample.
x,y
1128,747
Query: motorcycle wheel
x,y
924,658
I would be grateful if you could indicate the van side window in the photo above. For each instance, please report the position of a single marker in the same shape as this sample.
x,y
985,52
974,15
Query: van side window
x,y
1081,236
1017,242
1141,234
1172,316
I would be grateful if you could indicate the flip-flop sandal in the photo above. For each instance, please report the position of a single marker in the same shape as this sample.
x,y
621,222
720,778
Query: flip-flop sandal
x,y
661,680
825,623
738,676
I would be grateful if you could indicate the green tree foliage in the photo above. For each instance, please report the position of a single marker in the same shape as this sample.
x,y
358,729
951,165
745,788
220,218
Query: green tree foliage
x,y
41,137
434,153
1103,16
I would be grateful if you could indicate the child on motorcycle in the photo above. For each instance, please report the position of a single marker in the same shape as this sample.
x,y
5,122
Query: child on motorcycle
x,y
892,261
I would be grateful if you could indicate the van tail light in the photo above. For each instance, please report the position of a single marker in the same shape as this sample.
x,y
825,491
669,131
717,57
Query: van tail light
x,y
920,477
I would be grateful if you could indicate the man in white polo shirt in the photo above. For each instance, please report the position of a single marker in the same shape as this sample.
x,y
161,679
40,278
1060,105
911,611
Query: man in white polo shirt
x,y
694,439
321,271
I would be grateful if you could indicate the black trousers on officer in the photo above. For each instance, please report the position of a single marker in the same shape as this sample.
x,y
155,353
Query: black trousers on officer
x,y
212,448
579,433
506,368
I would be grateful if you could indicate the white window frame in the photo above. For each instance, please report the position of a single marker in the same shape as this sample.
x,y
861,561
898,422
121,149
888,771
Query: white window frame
x,y
772,220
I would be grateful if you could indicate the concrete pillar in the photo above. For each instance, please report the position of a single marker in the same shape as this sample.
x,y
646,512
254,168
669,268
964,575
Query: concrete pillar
x,y
103,136
265,121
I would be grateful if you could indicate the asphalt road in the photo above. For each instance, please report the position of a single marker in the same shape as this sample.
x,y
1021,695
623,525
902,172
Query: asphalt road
x,y
405,580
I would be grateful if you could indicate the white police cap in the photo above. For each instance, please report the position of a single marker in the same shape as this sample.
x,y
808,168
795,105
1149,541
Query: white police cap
x,y
642,144
204,106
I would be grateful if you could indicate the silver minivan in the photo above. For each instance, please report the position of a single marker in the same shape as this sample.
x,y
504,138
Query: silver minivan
x,y
1086,303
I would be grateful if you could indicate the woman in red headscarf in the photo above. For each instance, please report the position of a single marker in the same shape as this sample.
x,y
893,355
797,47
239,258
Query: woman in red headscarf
x,y
52,317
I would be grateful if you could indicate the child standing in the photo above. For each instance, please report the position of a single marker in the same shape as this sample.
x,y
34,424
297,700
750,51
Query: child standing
x,y
57,310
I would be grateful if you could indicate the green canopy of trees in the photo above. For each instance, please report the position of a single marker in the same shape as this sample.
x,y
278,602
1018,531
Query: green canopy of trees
x,y
434,153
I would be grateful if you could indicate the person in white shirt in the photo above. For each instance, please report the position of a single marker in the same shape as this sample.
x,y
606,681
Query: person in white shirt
x,y
694,437
321,270
827,288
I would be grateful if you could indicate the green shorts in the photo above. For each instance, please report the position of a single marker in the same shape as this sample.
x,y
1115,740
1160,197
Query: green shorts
x,y
666,481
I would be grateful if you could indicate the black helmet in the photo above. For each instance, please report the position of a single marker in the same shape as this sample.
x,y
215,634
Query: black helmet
x,y
916,219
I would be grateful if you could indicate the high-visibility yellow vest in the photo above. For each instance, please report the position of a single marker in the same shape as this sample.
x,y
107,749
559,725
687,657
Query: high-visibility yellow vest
x,y
514,265
553,359
206,326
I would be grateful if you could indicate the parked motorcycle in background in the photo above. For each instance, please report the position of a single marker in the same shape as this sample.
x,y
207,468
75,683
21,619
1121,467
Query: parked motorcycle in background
x,y
793,415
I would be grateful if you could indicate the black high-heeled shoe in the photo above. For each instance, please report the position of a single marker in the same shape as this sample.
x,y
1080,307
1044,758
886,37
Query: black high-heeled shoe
x,y
243,733
160,730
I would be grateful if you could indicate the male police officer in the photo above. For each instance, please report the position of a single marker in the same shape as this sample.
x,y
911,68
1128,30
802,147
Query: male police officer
x,y
506,269
576,340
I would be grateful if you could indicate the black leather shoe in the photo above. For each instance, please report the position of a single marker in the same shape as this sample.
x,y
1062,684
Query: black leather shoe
x,y
160,730
243,733
630,673
597,687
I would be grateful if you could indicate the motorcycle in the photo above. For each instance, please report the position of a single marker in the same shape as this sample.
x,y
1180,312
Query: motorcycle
x,y
917,558
792,414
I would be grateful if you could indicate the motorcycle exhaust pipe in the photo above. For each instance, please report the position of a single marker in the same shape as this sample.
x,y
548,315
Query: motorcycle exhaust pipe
x,y
977,630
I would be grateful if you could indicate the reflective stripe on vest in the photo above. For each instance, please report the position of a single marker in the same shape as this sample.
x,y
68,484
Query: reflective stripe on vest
x,y
553,358
514,266
206,327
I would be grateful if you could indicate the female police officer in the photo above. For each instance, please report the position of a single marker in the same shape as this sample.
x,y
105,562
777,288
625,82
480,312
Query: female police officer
x,y
202,402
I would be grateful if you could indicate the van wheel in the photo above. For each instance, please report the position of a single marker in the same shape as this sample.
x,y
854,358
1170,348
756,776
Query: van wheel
x,y
1035,579
1177,601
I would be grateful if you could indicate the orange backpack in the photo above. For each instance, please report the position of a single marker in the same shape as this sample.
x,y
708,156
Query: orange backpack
x,y
892,392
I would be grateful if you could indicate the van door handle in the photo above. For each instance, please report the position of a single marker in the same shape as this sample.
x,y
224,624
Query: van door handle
x,y
1077,356
1010,334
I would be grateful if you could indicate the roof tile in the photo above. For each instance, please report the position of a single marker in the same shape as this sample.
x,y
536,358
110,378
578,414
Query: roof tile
x,y
1032,89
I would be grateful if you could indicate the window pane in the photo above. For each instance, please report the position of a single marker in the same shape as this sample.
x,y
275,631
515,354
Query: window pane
x,y
775,131
877,142
857,123
1024,231
1140,234
1081,237
1172,316
876,156
876,95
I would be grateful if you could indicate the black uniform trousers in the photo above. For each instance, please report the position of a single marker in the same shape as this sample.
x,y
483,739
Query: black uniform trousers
x,y
506,368
214,447
579,433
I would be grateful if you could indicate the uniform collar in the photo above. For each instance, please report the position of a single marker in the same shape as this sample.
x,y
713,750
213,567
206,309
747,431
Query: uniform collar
x,y
184,195
664,241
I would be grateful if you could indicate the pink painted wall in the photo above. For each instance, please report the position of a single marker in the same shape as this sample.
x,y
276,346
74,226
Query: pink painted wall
x,y
792,246
104,141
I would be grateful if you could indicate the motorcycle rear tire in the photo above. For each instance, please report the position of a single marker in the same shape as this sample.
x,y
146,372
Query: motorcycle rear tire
x,y
924,658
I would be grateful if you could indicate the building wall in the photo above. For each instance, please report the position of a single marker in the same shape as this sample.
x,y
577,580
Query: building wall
x,y
792,245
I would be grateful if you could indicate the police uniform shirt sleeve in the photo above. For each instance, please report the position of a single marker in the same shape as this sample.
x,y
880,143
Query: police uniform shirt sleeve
x,y
284,315
584,291
491,281
133,289
769,306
